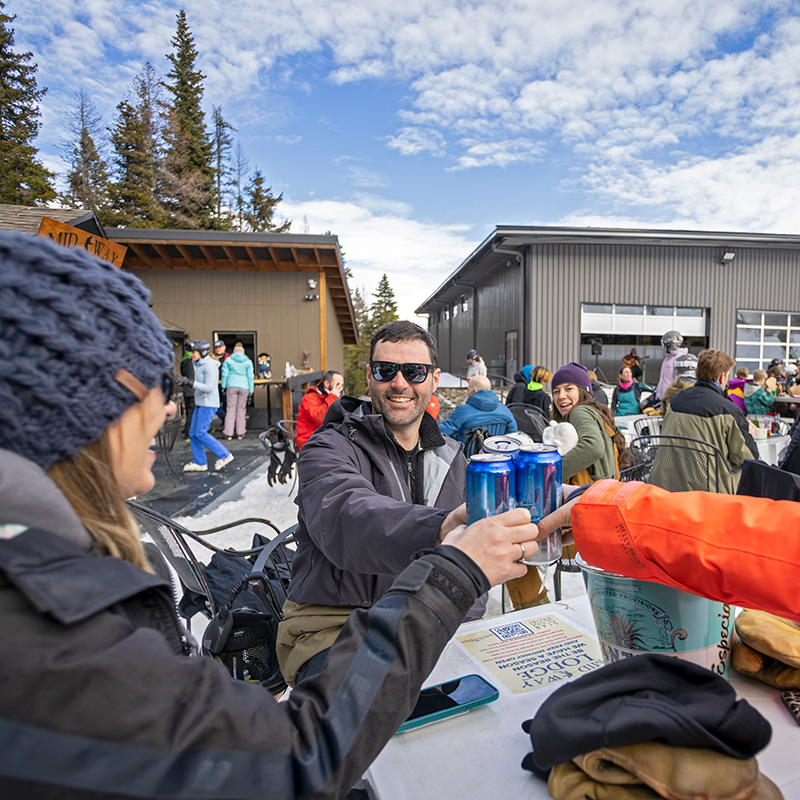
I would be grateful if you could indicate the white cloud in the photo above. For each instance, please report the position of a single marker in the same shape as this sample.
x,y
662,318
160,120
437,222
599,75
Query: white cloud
x,y
413,141
416,256
497,154
754,189
365,178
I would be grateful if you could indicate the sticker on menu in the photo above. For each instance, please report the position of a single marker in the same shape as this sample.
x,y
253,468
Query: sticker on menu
x,y
535,653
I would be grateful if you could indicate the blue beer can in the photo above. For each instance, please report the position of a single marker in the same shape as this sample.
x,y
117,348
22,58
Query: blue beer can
x,y
501,445
490,485
538,479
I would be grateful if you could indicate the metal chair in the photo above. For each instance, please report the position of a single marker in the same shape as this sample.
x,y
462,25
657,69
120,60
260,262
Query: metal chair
x,y
172,539
288,428
650,426
525,422
475,437
539,420
683,464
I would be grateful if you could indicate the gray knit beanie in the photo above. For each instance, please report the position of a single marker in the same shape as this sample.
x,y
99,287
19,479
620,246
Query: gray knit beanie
x,y
68,323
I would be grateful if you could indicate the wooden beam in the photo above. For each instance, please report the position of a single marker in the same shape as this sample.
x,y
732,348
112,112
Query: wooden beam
x,y
251,254
210,257
165,255
187,255
323,316
142,255
231,253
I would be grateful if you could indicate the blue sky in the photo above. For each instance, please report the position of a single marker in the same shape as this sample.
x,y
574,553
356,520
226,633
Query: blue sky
x,y
411,129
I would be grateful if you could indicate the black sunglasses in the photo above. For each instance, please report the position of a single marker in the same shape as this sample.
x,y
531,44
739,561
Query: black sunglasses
x,y
384,371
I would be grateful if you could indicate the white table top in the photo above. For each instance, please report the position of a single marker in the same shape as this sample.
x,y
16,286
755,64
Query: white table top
x,y
478,754
772,449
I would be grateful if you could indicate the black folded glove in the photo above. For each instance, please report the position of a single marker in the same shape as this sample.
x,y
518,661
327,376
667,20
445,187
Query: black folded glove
x,y
281,457
285,472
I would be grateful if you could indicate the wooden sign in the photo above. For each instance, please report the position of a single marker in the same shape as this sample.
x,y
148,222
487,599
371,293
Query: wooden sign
x,y
68,236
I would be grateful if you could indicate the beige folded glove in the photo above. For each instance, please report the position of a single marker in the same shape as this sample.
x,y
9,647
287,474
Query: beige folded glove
x,y
569,782
767,648
652,770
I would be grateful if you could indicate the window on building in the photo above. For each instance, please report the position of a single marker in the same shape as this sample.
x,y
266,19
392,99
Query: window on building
x,y
464,303
764,335
447,313
455,310
642,320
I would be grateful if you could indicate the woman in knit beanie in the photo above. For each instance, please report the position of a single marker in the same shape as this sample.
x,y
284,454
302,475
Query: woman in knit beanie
x,y
601,450
100,698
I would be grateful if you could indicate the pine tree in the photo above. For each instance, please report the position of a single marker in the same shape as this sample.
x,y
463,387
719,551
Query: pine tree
x,y
147,88
222,153
384,306
135,193
357,355
260,206
241,169
189,168
87,179
23,180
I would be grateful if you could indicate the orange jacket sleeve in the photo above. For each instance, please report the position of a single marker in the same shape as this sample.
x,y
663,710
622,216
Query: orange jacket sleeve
x,y
739,550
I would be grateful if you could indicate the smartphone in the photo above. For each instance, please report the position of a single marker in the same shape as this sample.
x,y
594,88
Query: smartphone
x,y
449,699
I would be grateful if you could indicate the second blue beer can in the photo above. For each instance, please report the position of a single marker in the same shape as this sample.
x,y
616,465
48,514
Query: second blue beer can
x,y
538,479
490,485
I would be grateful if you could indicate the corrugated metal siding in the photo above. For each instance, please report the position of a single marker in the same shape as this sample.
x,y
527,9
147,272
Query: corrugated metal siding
x,y
564,276
495,311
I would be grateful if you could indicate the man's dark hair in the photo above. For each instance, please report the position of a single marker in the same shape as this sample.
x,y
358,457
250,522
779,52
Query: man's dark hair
x,y
404,331
328,376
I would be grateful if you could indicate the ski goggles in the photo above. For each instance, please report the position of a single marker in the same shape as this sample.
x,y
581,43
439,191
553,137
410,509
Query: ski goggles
x,y
384,371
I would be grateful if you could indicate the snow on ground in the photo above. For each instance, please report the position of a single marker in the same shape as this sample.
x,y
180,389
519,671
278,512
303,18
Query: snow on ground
x,y
254,498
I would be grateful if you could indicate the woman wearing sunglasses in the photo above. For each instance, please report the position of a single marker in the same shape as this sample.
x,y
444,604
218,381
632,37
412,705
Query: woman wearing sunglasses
x,y
102,695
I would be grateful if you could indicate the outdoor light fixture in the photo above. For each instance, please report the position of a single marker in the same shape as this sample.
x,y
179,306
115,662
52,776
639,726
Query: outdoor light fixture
x,y
727,257
312,284
311,297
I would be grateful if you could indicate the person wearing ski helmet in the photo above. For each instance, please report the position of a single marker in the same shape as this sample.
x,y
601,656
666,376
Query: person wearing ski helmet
x,y
671,341
187,384
206,403
476,366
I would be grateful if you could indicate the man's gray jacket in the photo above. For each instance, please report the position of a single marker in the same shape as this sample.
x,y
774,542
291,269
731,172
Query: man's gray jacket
x,y
358,527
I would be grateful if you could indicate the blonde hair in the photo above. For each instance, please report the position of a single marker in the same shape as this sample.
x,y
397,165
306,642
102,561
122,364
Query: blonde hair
x,y
759,375
87,481
541,375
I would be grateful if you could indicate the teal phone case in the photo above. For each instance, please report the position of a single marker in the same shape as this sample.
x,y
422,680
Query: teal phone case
x,y
448,713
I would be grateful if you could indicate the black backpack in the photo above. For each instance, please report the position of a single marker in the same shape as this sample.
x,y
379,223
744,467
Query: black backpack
x,y
242,634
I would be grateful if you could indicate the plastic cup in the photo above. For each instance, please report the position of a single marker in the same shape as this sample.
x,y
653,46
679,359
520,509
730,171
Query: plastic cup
x,y
548,552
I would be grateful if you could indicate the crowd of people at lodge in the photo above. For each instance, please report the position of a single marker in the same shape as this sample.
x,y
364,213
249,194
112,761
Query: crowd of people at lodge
x,y
105,693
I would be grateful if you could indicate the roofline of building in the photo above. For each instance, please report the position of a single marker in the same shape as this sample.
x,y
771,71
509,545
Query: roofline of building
x,y
220,237
509,237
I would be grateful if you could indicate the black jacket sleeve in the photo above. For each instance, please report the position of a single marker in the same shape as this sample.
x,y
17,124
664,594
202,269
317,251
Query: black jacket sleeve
x,y
117,713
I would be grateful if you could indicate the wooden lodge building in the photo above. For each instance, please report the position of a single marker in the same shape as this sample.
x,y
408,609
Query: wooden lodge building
x,y
278,293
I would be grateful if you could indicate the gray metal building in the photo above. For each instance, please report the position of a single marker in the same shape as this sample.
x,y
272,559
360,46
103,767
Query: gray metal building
x,y
536,295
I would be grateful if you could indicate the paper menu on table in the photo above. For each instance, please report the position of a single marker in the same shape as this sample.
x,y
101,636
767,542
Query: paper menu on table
x,y
535,653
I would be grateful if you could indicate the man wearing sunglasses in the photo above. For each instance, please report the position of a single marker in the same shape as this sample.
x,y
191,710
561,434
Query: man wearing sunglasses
x,y
377,483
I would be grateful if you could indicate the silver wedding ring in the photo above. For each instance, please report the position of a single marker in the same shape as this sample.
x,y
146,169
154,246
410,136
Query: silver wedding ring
x,y
521,547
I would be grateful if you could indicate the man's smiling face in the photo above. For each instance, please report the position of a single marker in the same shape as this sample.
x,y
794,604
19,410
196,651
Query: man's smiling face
x,y
400,403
